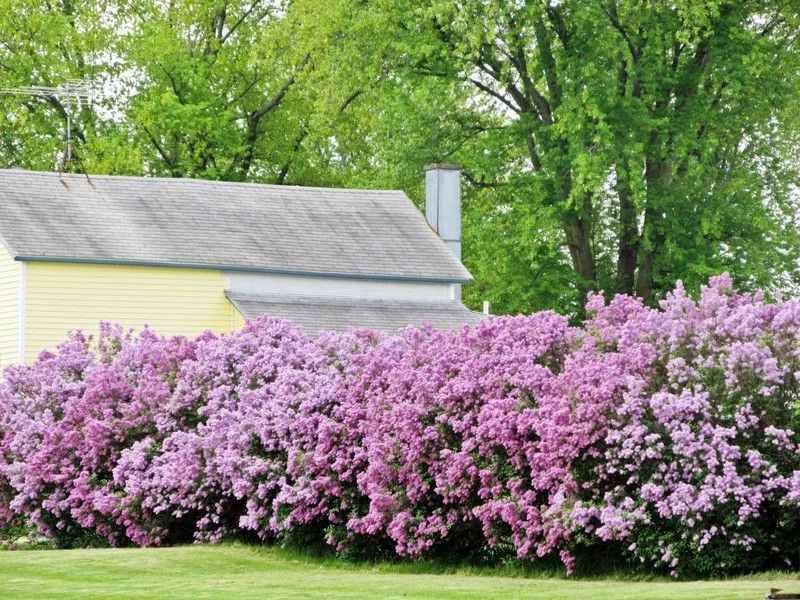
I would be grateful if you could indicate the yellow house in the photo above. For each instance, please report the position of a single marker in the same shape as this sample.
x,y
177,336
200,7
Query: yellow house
x,y
185,256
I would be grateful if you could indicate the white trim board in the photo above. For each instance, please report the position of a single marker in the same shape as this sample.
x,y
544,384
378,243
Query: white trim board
x,y
21,315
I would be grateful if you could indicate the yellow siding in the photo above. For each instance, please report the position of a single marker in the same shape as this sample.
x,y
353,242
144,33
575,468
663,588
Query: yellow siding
x,y
61,297
238,319
9,309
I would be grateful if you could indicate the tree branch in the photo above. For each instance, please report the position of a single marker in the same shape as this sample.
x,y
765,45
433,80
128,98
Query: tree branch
x,y
240,20
613,16
481,184
259,113
558,24
304,134
520,63
493,70
62,112
498,95
174,171
548,64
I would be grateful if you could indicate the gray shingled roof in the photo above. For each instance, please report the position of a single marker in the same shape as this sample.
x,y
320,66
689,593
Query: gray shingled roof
x,y
283,229
315,313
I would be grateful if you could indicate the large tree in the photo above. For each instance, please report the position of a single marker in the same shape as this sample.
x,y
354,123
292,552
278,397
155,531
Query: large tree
x,y
654,140
235,89
222,89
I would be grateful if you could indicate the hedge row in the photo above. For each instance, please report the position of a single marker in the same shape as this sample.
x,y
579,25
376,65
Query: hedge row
x,y
668,436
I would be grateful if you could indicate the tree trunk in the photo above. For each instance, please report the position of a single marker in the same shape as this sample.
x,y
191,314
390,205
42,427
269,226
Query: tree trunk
x,y
644,283
578,231
658,174
580,250
628,231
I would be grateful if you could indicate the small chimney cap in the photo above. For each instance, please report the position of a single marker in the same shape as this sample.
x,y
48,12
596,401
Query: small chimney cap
x,y
443,167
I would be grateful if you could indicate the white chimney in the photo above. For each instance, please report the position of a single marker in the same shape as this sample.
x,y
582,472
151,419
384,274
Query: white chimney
x,y
443,203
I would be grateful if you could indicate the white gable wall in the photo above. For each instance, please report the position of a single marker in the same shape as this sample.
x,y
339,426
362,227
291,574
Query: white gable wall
x,y
304,285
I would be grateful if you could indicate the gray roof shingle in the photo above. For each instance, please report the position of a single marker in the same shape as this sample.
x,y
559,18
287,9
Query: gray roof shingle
x,y
283,229
316,313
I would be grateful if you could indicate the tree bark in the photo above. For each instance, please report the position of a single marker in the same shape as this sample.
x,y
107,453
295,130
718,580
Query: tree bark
x,y
658,173
578,231
579,239
628,232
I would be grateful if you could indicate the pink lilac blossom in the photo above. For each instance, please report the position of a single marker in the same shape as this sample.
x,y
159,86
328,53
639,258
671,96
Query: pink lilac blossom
x,y
670,433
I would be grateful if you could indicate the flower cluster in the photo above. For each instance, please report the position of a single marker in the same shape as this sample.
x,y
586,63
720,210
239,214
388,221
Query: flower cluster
x,y
667,435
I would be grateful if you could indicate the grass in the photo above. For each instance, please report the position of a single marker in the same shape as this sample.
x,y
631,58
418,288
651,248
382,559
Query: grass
x,y
240,571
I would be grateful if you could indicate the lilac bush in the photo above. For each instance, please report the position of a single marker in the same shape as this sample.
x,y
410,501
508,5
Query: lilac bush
x,y
67,419
667,436
248,394
698,470
463,434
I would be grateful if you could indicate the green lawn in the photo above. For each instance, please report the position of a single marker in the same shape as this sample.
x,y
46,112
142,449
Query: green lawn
x,y
233,571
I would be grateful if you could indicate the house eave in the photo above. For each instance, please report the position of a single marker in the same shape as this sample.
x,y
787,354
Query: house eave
x,y
239,268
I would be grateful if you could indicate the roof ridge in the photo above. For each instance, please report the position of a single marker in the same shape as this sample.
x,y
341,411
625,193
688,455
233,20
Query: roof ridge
x,y
195,180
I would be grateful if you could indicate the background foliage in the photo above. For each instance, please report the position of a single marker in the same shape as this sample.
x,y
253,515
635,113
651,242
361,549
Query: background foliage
x,y
609,144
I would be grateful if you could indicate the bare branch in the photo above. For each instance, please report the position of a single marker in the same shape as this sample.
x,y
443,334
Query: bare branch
x,y
496,95
543,40
255,117
241,19
163,153
776,20
559,26
278,98
304,134
295,147
244,92
222,15
62,112
517,58
493,70
533,151
613,16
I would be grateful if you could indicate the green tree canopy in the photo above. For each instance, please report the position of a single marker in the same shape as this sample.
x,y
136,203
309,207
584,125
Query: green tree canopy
x,y
651,141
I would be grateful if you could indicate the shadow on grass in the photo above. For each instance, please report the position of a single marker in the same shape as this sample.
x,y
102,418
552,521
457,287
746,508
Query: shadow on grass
x,y
589,568
590,565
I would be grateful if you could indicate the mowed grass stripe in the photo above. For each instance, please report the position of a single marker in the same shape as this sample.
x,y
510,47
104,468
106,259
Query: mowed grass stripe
x,y
233,571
